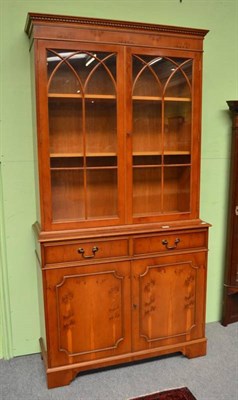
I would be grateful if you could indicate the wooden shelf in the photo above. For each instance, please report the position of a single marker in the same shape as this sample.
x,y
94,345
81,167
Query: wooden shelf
x,y
135,154
106,167
165,153
177,153
79,96
147,154
66,168
182,99
157,98
177,165
160,165
113,97
64,155
147,166
77,155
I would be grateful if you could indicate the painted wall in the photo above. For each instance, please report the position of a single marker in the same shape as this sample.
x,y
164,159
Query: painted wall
x,y
18,301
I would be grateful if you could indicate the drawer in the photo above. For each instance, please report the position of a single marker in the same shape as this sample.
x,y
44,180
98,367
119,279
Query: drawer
x,y
84,250
169,242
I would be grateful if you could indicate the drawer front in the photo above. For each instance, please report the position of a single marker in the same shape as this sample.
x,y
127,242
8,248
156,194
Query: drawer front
x,y
85,251
169,242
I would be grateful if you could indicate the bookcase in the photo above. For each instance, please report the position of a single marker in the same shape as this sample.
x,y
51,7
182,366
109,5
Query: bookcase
x,y
230,295
121,250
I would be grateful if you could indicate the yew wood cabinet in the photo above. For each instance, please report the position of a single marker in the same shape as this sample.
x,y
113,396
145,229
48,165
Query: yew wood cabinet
x,y
121,250
230,295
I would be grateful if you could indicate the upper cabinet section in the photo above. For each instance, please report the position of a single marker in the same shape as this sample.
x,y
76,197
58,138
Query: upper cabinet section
x,y
118,121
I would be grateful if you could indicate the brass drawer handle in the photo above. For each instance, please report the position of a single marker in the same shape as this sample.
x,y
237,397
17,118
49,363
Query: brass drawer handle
x,y
82,251
165,243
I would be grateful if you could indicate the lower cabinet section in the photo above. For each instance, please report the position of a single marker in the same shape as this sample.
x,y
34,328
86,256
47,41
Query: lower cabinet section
x,y
108,312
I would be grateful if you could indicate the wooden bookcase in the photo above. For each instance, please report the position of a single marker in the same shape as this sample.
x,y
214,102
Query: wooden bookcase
x,y
121,250
230,297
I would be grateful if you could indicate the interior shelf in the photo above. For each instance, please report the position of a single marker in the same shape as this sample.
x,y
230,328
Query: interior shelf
x,y
113,97
71,155
166,153
82,168
147,166
66,168
160,165
157,98
79,96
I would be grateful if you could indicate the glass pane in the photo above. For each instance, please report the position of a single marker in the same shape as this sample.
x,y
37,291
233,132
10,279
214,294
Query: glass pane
x,y
163,69
146,191
178,86
62,75
176,189
101,127
103,75
67,194
102,193
157,72
147,127
103,161
65,125
172,159
149,160
177,129
187,68
66,162
145,80
80,72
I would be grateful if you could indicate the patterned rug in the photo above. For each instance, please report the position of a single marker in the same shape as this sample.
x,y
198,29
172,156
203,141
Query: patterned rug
x,y
172,394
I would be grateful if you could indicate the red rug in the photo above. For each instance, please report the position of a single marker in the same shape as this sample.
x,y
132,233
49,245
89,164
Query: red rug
x,y
172,394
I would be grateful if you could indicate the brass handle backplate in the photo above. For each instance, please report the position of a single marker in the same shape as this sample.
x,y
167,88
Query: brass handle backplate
x,y
82,251
166,244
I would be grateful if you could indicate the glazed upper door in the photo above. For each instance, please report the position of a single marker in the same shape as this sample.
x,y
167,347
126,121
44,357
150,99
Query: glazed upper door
x,y
83,135
163,135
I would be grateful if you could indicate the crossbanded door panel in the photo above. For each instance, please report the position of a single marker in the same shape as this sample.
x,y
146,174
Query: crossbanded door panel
x,y
168,300
88,313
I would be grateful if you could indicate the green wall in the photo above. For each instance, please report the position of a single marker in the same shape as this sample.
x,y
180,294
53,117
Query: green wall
x,y
18,300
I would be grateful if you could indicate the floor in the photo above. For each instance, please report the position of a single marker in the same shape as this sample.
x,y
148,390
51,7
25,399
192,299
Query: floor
x,y
213,377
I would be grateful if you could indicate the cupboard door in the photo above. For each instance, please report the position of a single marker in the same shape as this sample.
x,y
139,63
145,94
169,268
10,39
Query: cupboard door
x,y
87,311
84,134
168,300
162,106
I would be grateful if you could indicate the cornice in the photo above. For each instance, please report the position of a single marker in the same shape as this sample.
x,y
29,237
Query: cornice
x,y
36,18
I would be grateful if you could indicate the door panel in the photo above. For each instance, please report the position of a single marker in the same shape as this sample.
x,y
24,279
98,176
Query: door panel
x,y
88,313
168,300
161,126
82,158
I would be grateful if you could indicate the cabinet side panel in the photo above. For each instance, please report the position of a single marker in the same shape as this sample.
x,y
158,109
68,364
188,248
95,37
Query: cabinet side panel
x,y
41,300
34,131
